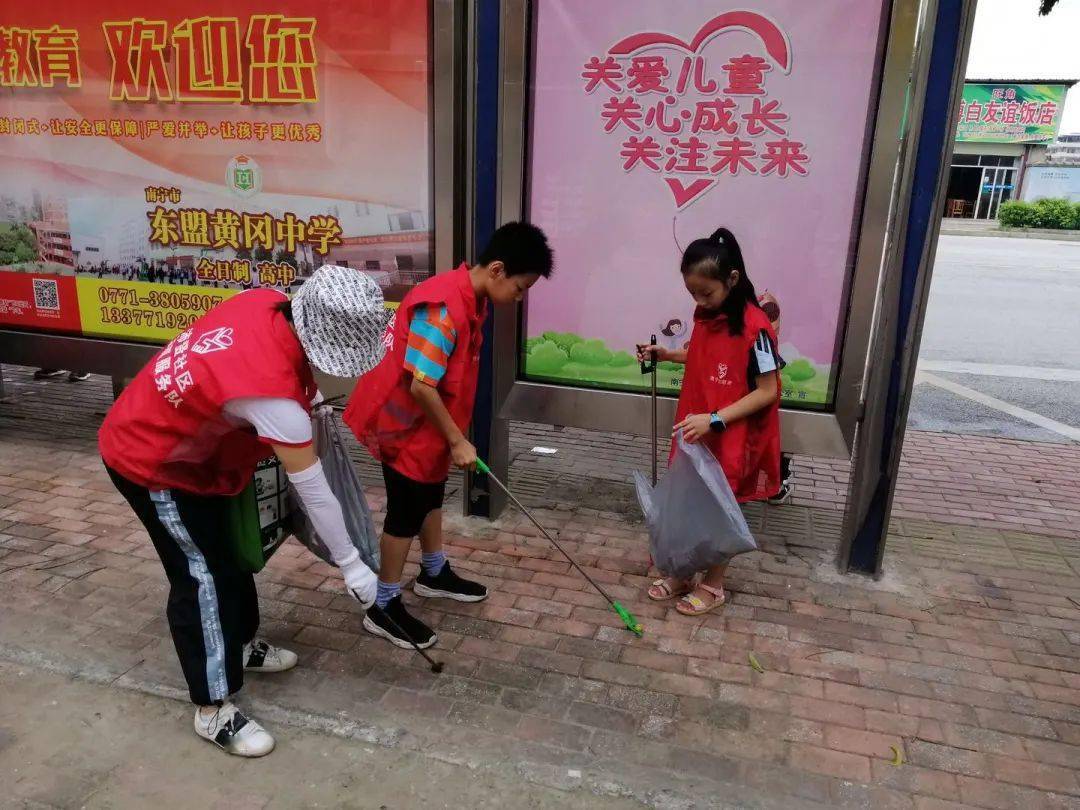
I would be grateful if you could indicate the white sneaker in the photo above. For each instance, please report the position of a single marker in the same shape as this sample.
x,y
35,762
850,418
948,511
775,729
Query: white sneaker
x,y
787,488
231,731
260,656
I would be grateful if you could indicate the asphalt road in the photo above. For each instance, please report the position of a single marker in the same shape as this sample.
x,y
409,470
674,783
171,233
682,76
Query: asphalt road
x,y
1000,354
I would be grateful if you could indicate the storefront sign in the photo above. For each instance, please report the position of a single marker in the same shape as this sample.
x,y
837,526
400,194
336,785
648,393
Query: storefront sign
x,y
653,124
1010,113
157,161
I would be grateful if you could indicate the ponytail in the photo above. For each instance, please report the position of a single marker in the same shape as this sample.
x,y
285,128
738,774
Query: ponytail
x,y
715,258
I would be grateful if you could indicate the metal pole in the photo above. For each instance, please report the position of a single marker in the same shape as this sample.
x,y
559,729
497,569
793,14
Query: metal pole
x,y
490,434
938,76
655,438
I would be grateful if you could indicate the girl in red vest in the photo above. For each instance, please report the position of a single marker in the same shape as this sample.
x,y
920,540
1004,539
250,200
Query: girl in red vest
x,y
413,413
234,389
730,396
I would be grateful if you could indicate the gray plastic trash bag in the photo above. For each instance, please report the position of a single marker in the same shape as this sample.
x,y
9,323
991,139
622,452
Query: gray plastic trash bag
x,y
694,520
345,484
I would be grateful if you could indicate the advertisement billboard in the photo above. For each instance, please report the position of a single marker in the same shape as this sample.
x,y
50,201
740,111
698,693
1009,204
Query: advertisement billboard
x,y
1058,182
1010,113
653,124
158,160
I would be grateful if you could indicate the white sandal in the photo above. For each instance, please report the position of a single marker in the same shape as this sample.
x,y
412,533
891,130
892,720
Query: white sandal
x,y
668,592
693,605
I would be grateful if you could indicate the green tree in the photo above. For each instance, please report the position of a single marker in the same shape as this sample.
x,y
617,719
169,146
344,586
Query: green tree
x,y
622,359
284,257
591,353
564,340
24,253
546,358
800,370
1015,214
1052,213
261,254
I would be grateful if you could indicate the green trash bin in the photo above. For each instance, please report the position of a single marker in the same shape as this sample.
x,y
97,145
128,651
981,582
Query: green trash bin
x,y
260,516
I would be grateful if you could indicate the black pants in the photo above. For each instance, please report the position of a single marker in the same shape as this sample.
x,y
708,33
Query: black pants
x,y
213,609
409,502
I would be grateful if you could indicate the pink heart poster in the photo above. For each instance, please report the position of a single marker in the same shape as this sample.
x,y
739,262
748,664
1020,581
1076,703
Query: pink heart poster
x,y
652,124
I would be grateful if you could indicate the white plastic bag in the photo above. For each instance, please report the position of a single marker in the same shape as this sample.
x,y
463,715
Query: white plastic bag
x,y
345,484
694,520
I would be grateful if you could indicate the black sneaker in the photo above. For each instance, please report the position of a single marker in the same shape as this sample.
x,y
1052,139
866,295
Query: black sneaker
x,y
48,373
78,376
398,626
784,495
448,585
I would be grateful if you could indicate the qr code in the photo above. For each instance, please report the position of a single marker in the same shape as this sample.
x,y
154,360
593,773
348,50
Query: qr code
x,y
46,295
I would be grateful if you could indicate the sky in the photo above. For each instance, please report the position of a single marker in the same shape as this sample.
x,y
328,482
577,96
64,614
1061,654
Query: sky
x,y
1011,41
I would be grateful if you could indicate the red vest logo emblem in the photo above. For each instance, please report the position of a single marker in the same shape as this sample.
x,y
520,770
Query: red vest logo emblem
x,y
721,371
216,340
388,333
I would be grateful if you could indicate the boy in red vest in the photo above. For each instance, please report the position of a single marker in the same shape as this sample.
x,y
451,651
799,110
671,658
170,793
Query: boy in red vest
x,y
413,411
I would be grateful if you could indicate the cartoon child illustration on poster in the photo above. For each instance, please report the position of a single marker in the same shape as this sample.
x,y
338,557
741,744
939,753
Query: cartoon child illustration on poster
x,y
672,334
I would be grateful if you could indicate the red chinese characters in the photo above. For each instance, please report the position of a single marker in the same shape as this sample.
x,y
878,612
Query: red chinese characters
x,y
698,118
734,155
783,156
621,111
715,115
607,73
283,62
645,151
203,60
746,75
647,74
138,51
1047,113
44,57
208,60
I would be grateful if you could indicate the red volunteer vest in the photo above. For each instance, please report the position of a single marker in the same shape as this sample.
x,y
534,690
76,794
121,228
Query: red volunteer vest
x,y
381,411
717,364
167,429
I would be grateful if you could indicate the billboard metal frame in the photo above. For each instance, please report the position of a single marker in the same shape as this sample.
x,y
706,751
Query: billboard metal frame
x,y
829,434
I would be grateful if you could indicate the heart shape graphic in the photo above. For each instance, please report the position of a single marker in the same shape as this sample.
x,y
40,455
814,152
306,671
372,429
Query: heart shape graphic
x,y
686,194
771,36
774,39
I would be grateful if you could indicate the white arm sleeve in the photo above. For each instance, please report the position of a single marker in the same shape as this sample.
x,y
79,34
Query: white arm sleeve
x,y
277,420
324,511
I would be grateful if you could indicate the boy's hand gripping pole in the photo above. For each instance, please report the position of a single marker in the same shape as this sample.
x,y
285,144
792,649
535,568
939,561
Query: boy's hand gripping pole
x,y
632,624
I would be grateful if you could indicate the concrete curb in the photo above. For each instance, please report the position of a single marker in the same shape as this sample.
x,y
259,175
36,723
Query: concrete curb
x,y
1014,233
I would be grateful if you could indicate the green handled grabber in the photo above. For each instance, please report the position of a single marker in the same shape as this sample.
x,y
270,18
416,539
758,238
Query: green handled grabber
x,y
632,624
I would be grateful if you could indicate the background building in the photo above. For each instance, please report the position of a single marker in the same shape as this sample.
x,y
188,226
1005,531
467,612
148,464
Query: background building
x,y
1005,126
53,233
1066,149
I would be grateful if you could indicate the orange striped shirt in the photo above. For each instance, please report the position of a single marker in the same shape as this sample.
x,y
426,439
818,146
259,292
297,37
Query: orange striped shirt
x,y
431,342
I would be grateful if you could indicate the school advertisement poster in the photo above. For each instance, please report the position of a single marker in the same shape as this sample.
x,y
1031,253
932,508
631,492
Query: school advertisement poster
x,y
654,123
156,160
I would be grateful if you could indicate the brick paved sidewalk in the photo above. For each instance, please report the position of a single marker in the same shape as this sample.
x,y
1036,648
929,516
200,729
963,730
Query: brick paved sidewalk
x,y
949,478
965,658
